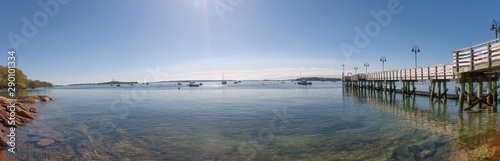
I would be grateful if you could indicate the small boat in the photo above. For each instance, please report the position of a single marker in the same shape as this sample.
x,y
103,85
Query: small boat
x,y
235,82
223,81
131,84
179,83
147,83
119,85
304,82
239,81
192,84
200,84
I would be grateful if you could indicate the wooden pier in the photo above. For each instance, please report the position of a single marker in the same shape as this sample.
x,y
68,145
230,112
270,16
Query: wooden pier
x,y
474,65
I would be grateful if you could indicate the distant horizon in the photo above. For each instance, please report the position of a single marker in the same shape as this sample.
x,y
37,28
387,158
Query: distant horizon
x,y
207,80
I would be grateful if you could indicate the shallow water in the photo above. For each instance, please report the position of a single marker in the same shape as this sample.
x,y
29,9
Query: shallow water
x,y
253,120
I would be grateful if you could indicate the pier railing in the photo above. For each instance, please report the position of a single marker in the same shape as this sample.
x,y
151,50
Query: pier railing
x,y
426,72
481,56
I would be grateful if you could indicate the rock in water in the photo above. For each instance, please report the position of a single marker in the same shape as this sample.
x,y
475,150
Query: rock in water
x,y
45,142
33,99
23,113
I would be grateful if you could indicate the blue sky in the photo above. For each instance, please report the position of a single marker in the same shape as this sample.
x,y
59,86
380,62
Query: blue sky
x,y
155,40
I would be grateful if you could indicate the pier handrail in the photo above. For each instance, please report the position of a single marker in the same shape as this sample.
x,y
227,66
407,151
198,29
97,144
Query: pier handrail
x,y
474,46
476,57
425,72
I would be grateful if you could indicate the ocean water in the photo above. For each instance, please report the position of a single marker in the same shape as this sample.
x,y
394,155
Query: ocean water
x,y
253,120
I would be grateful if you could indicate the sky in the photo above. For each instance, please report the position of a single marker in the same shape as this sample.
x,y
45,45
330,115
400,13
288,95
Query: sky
x,y
84,41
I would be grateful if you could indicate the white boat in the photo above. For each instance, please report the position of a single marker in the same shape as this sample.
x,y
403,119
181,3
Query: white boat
x,y
192,84
303,81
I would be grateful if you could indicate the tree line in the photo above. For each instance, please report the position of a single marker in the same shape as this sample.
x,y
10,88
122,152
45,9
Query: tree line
x,y
22,80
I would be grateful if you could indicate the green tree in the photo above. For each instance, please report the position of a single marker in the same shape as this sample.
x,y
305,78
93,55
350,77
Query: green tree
x,y
22,80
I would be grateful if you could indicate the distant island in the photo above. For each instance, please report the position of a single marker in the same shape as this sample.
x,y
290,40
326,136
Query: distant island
x,y
318,79
110,82
296,79
308,79
118,82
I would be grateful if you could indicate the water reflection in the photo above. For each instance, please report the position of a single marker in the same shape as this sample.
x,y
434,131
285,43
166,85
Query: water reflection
x,y
24,92
430,115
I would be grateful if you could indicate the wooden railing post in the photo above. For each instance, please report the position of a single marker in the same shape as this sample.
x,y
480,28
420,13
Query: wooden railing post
x,y
429,73
436,72
444,71
456,61
489,55
471,59
422,73
416,75
409,73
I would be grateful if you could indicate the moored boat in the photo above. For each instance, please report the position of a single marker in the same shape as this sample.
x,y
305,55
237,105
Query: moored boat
x,y
192,84
223,81
304,82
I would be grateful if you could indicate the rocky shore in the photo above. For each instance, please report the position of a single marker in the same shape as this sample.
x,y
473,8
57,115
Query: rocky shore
x,y
23,113
482,146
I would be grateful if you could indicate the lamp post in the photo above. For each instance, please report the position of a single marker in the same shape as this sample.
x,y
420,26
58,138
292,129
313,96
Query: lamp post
x,y
343,70
496,28
366,65
355,70
382,59
415,49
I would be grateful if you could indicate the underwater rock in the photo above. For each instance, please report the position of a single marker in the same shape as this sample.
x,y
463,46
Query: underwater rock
x,y
482,146
33,99
45,142
23,113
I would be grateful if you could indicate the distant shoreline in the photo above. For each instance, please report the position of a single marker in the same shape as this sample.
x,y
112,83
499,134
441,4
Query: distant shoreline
x,y
228,80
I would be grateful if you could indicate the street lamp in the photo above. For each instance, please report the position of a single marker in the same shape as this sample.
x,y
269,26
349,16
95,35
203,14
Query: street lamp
x,y
496,28
355,70
415,49
343,70
382,59
366,65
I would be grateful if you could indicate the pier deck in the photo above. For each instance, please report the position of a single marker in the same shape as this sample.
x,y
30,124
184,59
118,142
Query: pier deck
x,y
471,65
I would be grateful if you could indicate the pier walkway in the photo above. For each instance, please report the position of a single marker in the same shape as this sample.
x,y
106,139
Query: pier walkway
x,y
471,65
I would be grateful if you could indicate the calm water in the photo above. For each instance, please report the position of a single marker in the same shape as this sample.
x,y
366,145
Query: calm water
x,y
253,120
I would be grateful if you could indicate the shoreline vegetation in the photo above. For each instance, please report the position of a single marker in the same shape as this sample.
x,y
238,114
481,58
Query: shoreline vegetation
x,y
22,80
